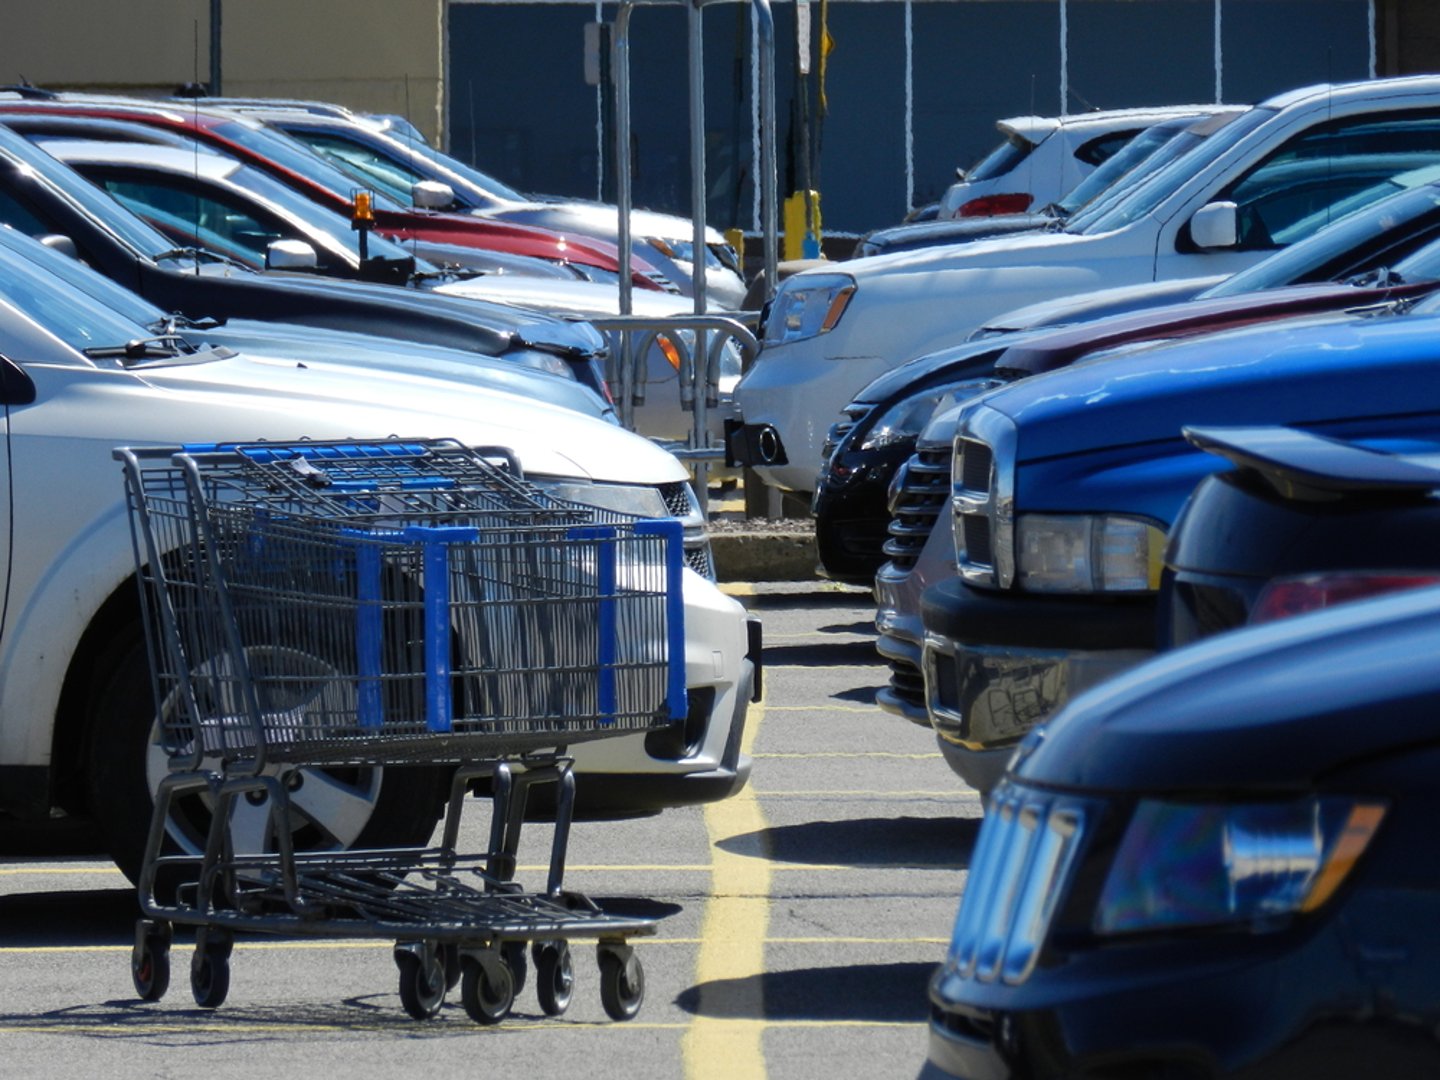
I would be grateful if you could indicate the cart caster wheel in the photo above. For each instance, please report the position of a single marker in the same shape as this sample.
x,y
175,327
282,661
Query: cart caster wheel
x,y
422,986
450,958
210,974
554,977
150,959
487,990
622,983
513,952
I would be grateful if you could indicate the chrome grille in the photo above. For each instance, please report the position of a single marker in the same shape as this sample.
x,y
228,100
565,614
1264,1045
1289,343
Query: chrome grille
x,y
974,474
918,505
975,461
698,558
677,499
1018,873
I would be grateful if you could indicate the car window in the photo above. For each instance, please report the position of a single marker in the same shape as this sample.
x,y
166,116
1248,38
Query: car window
x,y
1305,183
362,163
1103,147
188,215
999,161
1120,164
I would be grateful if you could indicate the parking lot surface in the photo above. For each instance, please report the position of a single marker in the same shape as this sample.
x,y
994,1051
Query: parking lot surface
x,y
798,921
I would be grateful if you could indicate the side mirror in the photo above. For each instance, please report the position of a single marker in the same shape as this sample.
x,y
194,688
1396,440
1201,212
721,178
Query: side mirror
x,y
1216,225
290,255
61,243
959,174
432,195
16,386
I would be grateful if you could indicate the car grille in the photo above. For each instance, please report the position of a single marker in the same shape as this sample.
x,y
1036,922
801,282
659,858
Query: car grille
x,y
974,482
698,558
677,499
1018,872
918,505
907,683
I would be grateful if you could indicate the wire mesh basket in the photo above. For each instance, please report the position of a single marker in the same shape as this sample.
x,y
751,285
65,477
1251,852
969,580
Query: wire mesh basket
x,y
398,600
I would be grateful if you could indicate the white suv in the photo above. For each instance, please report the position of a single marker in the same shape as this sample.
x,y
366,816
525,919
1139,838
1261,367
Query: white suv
x,y
76,715
1041,158
1258,181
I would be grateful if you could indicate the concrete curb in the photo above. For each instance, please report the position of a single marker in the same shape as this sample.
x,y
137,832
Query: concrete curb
x,y
764,556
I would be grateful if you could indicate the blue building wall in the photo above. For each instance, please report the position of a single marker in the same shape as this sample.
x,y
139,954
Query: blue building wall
x,y
519,107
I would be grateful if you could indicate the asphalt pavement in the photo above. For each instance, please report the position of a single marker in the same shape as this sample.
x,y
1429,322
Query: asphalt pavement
x,y
797,925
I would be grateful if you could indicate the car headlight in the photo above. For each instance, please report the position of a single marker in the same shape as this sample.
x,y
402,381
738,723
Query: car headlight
x,y
906,419
683,251
1183,865
807,305
633,500
1082,553
541,361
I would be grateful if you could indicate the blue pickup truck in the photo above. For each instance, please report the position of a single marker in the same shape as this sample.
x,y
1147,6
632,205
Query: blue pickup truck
x,y
1065,485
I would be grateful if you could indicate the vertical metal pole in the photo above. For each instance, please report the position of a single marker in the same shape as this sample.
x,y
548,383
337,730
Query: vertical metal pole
x,y
765,24
700,430
620,71
215,89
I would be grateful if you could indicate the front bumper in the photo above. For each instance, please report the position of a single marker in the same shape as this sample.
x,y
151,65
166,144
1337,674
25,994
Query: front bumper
x,y
702,761
852,515
997,664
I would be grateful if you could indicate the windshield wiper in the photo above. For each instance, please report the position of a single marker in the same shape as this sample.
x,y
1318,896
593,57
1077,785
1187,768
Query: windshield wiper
x,y
1382,277
137,349
199,254
172,324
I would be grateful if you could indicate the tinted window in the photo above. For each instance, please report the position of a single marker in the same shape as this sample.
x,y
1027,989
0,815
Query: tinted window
x,y
1103,147
1002,159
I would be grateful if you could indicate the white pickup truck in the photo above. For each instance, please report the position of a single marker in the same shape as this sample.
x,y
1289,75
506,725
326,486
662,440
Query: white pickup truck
x,y
1258,181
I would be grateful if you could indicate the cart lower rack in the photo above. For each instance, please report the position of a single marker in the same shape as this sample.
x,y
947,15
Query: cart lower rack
x,y
390,603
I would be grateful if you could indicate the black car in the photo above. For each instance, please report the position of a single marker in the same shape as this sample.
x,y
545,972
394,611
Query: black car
x,y
1215,865
1302,522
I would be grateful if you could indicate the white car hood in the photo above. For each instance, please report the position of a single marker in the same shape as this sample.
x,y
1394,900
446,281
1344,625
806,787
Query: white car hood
x,y
643,223
583,298
1018,249
246,397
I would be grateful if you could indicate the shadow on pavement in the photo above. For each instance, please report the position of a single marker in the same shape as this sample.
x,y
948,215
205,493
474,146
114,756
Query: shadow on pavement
x,y
89,917
849,653
919,843
878,993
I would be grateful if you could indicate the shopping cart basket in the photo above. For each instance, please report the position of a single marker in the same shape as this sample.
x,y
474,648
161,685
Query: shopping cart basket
x,y
390,603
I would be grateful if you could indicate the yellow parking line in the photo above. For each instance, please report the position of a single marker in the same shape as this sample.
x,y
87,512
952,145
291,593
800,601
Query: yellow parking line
x,y
819,708
731,957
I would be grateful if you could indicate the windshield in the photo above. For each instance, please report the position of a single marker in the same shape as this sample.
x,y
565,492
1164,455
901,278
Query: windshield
x,y
1173,169
1382,232
295,156
70,186
240,217
80,277
1120,164
71,314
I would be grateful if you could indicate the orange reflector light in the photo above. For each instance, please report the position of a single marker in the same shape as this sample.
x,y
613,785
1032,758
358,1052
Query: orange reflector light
x,y
1363,821
671,352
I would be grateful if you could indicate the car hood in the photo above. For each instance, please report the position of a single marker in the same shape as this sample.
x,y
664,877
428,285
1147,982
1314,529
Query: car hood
x,y
1100,303
306,345
1274,707
974,358
248,397
1285,373
952,230
583,298
601,218
1019,249
1062,347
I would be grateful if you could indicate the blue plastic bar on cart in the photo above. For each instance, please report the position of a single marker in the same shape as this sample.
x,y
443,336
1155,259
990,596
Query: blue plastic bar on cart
x,y
264,453
674,533
435,544
368,634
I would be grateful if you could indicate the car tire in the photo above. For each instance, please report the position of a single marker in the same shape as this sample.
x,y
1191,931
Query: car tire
x,y
404,802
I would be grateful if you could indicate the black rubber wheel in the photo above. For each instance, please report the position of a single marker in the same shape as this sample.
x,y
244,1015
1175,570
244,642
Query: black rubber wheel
x,y
487,995
554,977
514,954
210,976
622,985
421,993
450,957
150,959
404,801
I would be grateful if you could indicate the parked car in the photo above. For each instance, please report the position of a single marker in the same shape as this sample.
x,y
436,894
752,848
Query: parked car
x,y
1299,522
1267,178
1132,163
1040,158
1381,253
78,726
1215,866
1065,484
374,153
294,165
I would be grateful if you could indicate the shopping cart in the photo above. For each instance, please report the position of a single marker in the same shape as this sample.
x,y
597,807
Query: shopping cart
x,y
390,603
